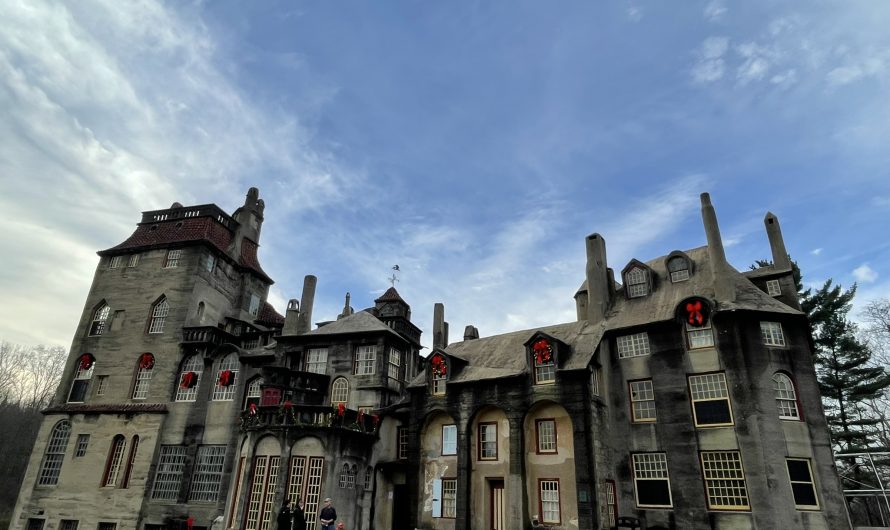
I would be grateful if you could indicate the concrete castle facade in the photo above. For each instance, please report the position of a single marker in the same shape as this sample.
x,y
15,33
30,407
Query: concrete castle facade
x,y
684,396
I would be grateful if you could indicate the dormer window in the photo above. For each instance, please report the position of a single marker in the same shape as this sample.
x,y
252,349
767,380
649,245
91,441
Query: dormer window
x,y
678,267
543,361
438,374
637,281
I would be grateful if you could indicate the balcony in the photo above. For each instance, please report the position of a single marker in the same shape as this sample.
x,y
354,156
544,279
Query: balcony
x,y
311,417
206,335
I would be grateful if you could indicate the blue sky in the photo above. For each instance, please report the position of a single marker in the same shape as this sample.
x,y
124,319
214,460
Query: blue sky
x,y
475,144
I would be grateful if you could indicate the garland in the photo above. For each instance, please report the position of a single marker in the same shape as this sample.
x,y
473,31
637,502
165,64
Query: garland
x,y
440,368
543,351
226,378
146,361
189,379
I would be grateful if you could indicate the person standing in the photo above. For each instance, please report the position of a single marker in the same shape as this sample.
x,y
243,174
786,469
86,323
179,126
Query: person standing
x,y
299,515
284,516
327,515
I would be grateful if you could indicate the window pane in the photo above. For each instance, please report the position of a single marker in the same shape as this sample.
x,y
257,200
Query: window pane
x,y
208,473
168,476
633,345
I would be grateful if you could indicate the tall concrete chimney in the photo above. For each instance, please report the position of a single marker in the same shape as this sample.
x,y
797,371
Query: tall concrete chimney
x,y
597,279
720,270
306,302
440,339
776,242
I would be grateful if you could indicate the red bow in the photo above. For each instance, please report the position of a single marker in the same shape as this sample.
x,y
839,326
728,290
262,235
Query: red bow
x,y
147,361
188,380
341,409
693,313
252,409
542,351
226,378
439,366
86,362
288,405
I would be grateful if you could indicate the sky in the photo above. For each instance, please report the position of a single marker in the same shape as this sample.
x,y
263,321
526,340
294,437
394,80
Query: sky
x,y
473,143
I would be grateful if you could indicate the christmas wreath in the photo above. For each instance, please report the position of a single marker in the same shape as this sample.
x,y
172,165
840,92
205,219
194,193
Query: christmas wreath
x,y
696,313
439,366
86,361
341,409
146,361
189,380
543,351
226,378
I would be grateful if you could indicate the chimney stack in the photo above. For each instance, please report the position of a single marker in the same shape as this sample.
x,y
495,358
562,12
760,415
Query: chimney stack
x,y
471,332
720,270
292,318
781,260
440,327
250,220
306,301
597,279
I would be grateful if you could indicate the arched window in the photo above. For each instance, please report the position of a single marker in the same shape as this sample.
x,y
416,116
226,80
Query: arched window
x,y
786,397
159,316
678,266
254,392
100,319
637,280
344,476
55,454
115,461
189,378
82,376
134,445
226,378
340,391
144,369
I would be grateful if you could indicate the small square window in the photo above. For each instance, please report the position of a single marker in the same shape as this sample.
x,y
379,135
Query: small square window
x,y
546,435
801,475
133,261
115,262
449,440
633,345
710,400
651,481
173,257
772,334
702,337
642,400
773,288
83,440
317,361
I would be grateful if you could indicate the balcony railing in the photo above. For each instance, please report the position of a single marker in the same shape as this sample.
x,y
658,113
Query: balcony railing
x,y
293,416
207,335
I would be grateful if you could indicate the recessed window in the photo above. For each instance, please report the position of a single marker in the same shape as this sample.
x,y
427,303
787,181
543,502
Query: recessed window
x,y
55,454
254,305
678,266
226,378
786,398
210,263
488,441
402,443
772,334
395,364
100,320
773,288
81,383
115,262
144,369
609,504
449,440
637,280
133,261
438,374
449,498
317,361
168,477
340,392
545,435
36,524
107,526
543,361
651,481
208,472
115,461
548,490
802,487
83,441
344,476
710,400
633,345
189,378
699,337
131,460
159,316
253,392
596,381
724,480
369,478
68,524
172,259
642,400
365,360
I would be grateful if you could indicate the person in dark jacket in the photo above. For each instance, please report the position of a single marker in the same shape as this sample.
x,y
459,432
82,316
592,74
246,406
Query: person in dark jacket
x,y
327,516
299,515
284,516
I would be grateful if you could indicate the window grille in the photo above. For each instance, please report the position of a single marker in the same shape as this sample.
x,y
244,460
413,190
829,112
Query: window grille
x,y
296,470
226,393
107,526
369,477
254,392
633,345
318,360
115,262
402,448
595,381
610,503
637,282
133,261
100,320
159,316
365,360
55,454
773,288
786,399
449,497
395,364
642,398
340,391
724,480
143,378
257,487
269,508
83,440
710,400
208,473
344,476
772,334
195,365
313,488
168,477
101,384
115,460
68,524
488,441
549,490
36,524
651,481
701,337
172,260
546,435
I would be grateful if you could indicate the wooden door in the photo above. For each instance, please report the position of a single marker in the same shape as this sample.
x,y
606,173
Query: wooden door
x,y
496,505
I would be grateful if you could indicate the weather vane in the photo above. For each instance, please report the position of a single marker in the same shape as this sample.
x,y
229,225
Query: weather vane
x,y
393,279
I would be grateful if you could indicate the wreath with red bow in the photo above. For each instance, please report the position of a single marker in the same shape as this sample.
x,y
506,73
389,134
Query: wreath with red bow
x,y
226,378
543,351
146,361
86,361
252,409
696,313
341,409
189,379
440,368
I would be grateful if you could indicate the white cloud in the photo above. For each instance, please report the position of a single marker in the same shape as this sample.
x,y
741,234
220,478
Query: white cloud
x,y
816,251
634,13
756,62
710,64
715,10
865,274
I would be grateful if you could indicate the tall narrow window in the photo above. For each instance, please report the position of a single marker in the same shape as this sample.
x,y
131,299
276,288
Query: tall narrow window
x,y
131,460
83,441
344,476
724,480
173,257
365,360
208,472
637,282
226,378
679,269
651,481
488,441
772,334
802,487
55,454
159,316
82,376
254,392
199,315
101,384
100,320
609,504
189,378
369,478
254,305
115,461
340,392
438,374
144,369
633,345
545,433
642,400
542,360
549,499
168,476
449,498
210,263
786,399
134,260
395,364
449,440
402,447
710,400
317,362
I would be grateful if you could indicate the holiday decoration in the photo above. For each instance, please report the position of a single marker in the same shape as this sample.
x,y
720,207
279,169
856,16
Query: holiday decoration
x,y
86,361
252,409
696,313
146,361
189,379
341,409
226,378
543,351
189,523
439,366
288,405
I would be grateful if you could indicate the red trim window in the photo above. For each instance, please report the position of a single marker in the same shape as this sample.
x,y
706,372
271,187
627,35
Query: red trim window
x,y
488,441
114,462
787,402
548,501
545,436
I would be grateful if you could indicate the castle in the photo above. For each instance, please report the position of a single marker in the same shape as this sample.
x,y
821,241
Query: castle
x,y
683,396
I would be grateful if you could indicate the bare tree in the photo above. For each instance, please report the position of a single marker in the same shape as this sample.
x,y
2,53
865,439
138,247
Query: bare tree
x,y
11,357
876,316
41,373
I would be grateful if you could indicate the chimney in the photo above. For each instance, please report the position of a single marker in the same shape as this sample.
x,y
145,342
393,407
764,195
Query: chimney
x,y
440,339
581,303
347,309
292,318
776,242
720,270
250,220
471,332
597,279
306,301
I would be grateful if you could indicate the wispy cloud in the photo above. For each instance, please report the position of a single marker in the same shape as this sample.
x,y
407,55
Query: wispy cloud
x,y
715,10
710,66
816,251
865,274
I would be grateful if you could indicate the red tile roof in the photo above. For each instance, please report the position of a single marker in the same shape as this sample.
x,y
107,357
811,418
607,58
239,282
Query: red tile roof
x,y
391,295
268,315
